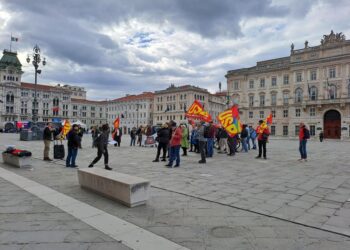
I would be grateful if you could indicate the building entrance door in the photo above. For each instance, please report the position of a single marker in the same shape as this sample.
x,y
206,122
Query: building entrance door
x,y
332,124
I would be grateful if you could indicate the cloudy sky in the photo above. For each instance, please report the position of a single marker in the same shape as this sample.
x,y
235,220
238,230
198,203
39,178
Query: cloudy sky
x,y
114,47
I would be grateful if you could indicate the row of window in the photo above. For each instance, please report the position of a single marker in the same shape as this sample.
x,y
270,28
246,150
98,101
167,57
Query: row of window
x,y
298,77
10,78
173,98
285,114
130,106
285,130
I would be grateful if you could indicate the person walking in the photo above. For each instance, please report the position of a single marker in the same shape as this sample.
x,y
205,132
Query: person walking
x,y
163,141
48,137
210,139
244,138
73,143
139,135
132,137
321,136
175,144
263,134
194,140
184,139
202,142
117,136
101,144
304,135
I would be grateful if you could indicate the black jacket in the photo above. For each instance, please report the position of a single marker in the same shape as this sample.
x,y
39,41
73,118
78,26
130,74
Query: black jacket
x,y
47,134
74,139
163,135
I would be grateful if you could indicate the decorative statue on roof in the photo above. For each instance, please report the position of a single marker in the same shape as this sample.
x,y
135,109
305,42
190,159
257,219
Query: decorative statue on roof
x,y
292,47
333,38
306,44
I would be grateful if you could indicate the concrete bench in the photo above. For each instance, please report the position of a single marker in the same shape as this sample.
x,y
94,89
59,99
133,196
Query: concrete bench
x,y
129,190
17,161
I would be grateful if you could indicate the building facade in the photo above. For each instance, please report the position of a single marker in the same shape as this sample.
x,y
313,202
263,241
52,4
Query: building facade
x,y
173,102
312,85
54,102
132,110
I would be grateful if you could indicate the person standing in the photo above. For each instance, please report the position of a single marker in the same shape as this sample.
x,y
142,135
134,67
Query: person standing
x,y
73,144
223,141
132,137
94,135
263,134
202,142
210,139
304,135
252,134
175,144
232,144
244,137
184,139
101,143
163,141
48,137
321,136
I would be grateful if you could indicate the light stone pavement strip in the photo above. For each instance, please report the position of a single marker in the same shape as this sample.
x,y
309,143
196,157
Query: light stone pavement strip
x,y
178,206
27,222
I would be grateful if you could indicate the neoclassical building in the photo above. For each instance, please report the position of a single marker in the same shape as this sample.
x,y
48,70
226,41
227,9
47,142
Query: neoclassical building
x,y
55,102
173,102
132,110
311,85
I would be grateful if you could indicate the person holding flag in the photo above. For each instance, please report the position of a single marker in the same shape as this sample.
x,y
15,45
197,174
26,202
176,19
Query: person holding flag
x,y
263,133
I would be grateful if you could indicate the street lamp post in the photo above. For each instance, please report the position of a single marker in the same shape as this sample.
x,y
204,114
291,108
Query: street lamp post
x,y
36,62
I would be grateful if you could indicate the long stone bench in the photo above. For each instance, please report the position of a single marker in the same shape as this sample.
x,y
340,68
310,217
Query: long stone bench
x,y
16,161
129,190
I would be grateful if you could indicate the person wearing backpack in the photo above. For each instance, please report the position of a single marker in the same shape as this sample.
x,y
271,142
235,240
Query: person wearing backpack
x,y
304,135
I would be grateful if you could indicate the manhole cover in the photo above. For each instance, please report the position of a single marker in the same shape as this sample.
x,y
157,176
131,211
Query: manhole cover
x,y
227,232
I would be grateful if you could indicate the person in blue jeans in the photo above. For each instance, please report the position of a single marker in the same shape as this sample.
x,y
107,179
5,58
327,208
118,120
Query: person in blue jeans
x,y
304,135
74,143
210,139
253,135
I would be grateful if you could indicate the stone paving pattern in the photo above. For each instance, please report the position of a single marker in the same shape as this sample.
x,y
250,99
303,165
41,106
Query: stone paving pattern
x,y
313,193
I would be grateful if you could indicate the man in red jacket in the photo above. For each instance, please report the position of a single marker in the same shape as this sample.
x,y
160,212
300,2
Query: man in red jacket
x,y
175,144
304,135
263,133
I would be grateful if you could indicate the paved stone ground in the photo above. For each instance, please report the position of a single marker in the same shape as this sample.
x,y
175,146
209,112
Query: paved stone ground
x,y
313,193
26,222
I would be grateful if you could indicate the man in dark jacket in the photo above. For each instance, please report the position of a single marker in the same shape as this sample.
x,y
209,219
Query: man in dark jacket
x,y
73,145
101,143
48,137
163,141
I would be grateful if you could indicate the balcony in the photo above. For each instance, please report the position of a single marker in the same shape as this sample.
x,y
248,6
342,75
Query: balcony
x,y
319,103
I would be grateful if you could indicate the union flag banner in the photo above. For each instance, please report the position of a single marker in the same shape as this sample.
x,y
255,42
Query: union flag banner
x,y
116,123
196,111
269,119
116,126
230,121
66,127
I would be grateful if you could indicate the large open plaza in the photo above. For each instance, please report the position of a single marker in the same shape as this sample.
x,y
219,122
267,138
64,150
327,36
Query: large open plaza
x,y
234,202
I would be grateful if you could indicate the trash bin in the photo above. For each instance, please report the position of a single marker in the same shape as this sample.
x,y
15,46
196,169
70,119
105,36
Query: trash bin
x,y
26,135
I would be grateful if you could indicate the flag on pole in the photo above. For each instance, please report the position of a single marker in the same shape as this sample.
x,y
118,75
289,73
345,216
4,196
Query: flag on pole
x,y
230,121
66,127
269,119
196,111
116,123
14,39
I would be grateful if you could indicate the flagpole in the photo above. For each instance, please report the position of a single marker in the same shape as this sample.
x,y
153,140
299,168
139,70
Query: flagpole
x,y
11,42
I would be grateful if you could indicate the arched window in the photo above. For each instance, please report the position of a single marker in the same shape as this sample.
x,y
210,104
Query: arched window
x,y
313,93
298,95
332,91
10,98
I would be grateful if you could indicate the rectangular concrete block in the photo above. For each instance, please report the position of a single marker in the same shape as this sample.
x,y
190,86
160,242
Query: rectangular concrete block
x,y
16,161
129,190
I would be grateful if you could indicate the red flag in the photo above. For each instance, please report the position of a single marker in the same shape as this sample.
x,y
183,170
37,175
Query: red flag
x,y
269,119
116,123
